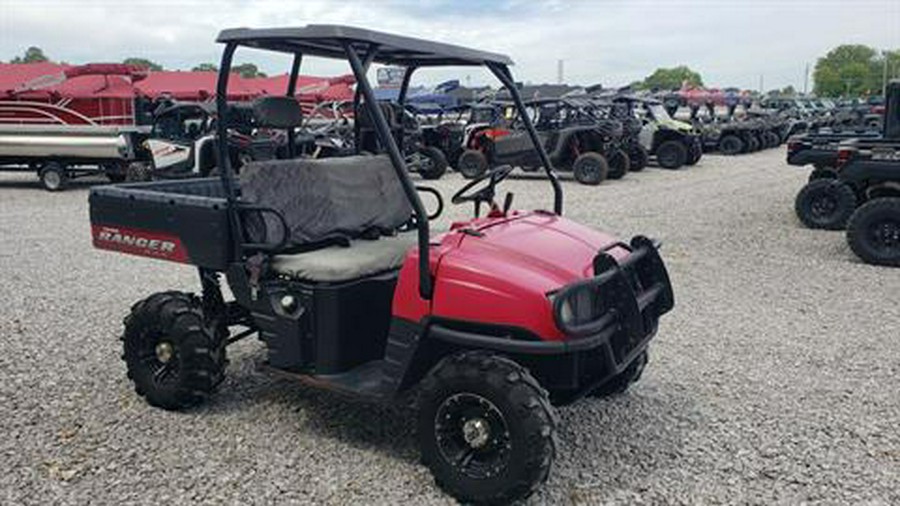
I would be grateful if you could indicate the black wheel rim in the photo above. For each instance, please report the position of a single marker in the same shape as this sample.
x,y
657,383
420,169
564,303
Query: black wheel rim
x,y
469,166
823,206
472,435
425,163
884,236
589,169
159,358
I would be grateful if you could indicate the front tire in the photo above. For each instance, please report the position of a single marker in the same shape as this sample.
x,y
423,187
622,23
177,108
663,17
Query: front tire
x,y
174,354
590,168
671,155
638,157
825,204
874,232
472,163
731,145
619,164
486,428
434,163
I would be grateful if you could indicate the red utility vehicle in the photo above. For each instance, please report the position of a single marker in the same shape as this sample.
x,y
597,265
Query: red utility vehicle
x,y
333,265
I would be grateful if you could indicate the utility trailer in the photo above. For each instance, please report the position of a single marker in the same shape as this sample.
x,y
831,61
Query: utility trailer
x,y
60,153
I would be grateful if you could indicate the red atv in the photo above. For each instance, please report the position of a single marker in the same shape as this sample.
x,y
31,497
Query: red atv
x,y
333,265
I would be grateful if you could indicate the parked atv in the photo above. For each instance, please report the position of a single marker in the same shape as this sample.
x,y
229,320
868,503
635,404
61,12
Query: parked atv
x,y
328,131
863,192
429,161
183,140
333,265
446,132
575,142
673,143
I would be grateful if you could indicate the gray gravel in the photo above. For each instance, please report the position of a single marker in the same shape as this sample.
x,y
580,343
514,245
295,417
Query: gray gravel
x,y
775,380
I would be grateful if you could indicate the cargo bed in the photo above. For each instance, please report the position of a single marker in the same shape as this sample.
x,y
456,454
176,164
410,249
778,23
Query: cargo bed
x,y
183,221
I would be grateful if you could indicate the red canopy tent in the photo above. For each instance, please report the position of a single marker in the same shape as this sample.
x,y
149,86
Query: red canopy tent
x,y
195,86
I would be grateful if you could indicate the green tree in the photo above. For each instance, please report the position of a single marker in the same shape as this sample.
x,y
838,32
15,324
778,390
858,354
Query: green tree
x,y
247,70
33,54
205,67
143,62
672,78
848,70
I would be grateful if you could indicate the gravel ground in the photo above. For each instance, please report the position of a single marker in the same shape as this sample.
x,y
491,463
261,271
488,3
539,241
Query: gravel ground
x,y
775,379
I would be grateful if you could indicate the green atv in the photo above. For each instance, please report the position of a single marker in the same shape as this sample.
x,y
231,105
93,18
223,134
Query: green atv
x,y
674,143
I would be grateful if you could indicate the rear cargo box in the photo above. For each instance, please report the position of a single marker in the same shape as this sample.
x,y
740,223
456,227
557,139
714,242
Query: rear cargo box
x,y
182,221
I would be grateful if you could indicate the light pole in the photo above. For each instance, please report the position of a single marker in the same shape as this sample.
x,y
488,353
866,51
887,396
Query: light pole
x,y
884,56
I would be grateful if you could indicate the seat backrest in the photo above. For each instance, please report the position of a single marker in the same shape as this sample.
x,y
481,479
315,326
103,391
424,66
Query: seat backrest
x,y
277,112
322,199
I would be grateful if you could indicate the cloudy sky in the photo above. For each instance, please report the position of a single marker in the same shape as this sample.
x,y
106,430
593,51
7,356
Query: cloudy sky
x,y
731,42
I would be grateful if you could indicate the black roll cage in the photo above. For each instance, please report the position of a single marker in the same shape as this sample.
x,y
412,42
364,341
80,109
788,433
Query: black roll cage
x,y
361,48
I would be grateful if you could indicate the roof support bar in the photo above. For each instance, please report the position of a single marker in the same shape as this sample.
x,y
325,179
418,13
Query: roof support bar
x,y
505,77
404,85
291,90
224,163
387,140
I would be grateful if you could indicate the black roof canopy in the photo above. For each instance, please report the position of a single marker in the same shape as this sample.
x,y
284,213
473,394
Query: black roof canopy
x,y
328,41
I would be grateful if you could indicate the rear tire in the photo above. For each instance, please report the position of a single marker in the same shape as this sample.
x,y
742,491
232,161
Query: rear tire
x,y
174,354
54,177
590,168
671,155
731,145
435,163
695,153
619,164
825,204
483,409
472,163
874,232
638,157
752,144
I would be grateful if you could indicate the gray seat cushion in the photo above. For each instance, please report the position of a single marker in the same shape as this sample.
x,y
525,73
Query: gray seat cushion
x,y
337,263
327,198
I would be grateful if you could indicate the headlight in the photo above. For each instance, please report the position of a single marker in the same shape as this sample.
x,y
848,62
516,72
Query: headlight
x,y
579,307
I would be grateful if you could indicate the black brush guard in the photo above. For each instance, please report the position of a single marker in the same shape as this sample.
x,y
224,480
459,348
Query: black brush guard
x,y
627,299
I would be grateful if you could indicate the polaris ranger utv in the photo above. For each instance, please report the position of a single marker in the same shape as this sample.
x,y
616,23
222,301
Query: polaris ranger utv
x,y
334,266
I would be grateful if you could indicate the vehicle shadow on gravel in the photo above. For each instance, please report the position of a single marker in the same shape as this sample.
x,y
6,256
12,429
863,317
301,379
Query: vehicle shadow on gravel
x,y
602,442
387,429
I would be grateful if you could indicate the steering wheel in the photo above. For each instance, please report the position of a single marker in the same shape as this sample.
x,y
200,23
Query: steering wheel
x,y
469,193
